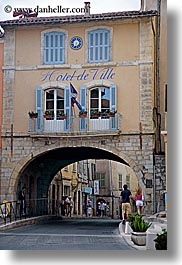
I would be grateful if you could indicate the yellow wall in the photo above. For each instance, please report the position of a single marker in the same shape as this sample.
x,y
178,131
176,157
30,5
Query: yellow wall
x,y
125,48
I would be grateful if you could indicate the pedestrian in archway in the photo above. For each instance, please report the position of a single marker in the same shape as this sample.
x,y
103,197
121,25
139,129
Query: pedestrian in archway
x,y
69,203
21,198
125,201
139,200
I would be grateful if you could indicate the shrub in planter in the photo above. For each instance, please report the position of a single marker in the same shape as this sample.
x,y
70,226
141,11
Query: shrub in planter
x,y
161,241
139,227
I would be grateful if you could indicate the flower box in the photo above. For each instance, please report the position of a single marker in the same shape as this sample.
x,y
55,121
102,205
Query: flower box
x,y
48,116
110,115
83,115
33,115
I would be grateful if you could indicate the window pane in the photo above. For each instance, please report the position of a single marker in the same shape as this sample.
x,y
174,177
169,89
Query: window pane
x,y
50,94
95,93
60,94
94,103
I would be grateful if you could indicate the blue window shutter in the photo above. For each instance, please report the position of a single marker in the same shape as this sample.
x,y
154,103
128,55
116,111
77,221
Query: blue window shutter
x,y
99,46
67,107
54,48
113,105
39,108
83,102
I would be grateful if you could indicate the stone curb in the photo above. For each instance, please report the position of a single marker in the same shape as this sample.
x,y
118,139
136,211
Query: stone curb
x,y
28,221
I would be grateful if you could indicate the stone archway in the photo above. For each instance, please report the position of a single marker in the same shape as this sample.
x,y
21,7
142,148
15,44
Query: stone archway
x,y
111,151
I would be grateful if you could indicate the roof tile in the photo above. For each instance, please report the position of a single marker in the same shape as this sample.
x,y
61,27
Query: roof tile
x,y
78,18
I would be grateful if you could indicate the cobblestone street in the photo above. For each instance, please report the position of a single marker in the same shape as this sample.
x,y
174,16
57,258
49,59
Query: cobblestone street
x,y
65,234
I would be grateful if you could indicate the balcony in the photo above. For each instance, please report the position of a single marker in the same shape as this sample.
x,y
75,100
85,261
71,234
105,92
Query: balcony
x,y
74,124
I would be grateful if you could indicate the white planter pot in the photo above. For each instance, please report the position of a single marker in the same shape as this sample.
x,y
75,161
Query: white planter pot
x,y
139,238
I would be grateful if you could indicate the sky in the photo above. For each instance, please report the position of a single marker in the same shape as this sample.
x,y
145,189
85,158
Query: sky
x,y
97,6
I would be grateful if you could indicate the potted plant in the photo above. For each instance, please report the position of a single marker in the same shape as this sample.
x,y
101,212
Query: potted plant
x,y
33,115
161,240
62,115
83,114
139,227
95,114
111,113
48,114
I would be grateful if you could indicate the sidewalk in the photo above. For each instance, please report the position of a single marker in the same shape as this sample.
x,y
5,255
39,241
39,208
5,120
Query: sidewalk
x,y
159,221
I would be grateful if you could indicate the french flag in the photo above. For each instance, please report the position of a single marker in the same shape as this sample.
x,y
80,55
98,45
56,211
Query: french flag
x,y
74,95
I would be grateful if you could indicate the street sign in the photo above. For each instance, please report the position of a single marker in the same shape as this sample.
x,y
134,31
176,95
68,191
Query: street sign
x,y
88,190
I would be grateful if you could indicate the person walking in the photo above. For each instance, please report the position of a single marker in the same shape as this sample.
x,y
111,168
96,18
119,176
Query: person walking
x,y
69,202
21,198
139,200
125,202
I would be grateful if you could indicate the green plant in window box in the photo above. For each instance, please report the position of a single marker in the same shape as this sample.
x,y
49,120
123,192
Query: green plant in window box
x,y
48,114
33,115
95,113
83,113
111,113
62,115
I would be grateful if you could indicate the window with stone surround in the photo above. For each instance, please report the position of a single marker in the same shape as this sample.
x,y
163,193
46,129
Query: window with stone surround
x,y
99,45
54,48
101,176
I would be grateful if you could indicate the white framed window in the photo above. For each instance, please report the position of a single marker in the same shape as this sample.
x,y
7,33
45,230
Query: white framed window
x,y
99,100
99,45
54,47
54,102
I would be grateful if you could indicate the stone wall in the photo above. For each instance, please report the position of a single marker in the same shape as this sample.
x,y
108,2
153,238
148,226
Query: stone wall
x,y
160,180
125,146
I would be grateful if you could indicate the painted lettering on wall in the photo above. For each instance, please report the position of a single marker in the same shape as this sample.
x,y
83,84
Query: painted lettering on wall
x,y
80,75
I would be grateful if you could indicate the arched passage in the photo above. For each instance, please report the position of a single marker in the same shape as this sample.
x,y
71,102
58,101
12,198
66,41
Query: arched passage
x,y
43,167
